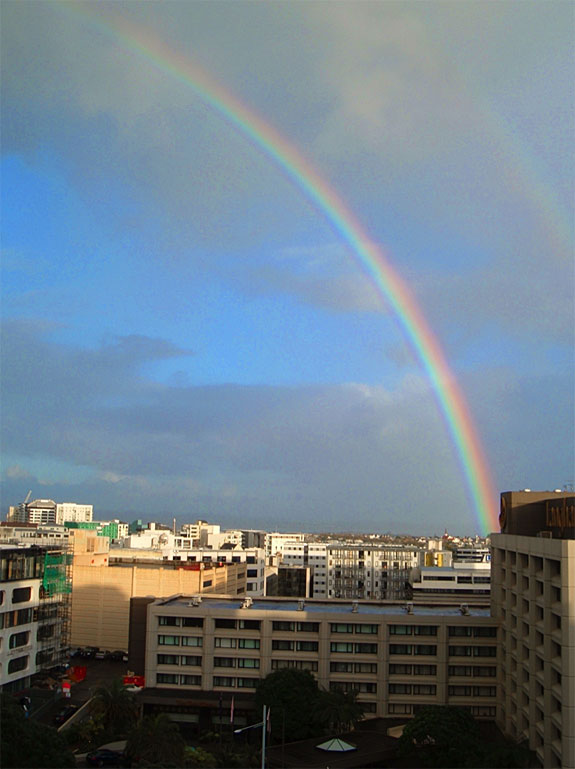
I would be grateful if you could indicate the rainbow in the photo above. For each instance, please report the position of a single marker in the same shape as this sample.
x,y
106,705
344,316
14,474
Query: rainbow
x,y
370,257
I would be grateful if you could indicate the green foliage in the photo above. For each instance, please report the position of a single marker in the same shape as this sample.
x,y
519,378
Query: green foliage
x,y
156,741
25,743
293,696
196,756
116,707
339,710
442,736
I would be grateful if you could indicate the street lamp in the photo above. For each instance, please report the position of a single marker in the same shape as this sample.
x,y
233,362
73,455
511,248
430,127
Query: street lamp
x,y
263,724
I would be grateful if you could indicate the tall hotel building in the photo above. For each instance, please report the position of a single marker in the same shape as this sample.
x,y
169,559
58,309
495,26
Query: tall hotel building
x,y
533,597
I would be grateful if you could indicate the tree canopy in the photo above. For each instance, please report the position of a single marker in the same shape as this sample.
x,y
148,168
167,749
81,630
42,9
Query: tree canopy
x,y
293,696
116,707
26,743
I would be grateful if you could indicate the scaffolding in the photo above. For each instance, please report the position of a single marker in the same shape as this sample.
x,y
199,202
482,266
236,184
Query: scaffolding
x,y
54,610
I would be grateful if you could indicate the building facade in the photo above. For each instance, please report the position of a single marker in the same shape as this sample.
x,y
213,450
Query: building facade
x,y
533,596
397,658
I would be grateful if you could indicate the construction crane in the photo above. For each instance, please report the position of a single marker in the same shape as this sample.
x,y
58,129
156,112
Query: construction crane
x,y
28,495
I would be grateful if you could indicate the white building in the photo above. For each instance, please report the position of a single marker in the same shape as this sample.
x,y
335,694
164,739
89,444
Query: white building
x,y
71,511
276,541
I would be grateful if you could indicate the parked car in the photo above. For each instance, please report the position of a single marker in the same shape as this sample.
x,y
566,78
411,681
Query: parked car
x,y
65,714
119,656
89,652
100,655
104,757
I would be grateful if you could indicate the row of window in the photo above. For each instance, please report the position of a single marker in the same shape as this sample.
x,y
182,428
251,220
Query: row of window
x,y
347,647
348,627
404,709
177,659
472,691
429,650
426,689
232,662
297,664
415,670
17,617
353,667
361,687
413,630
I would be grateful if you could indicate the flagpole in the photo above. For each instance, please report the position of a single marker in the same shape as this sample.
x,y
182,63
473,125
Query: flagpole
x,y
264,731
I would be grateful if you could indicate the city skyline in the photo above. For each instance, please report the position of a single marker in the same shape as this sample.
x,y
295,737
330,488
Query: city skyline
x,y
184,334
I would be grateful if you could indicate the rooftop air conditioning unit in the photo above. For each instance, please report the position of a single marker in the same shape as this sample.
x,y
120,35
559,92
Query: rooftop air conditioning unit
x,y
464,609
196,600
247,602
300,605
354,607
409,607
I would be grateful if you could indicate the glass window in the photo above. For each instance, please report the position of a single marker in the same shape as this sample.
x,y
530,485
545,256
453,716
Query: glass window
x,y
225,643
308,627
224,662
425,630
341,667
400,688
168,640
249,624
192,622
171,621
225,623
191,680
341,627
341,646
19,639
248,663
424,670
191,660
425,649
424,689
191,640
168,659
400,648
366,648
167,678
400,629
459,631
365,628
306,646
279,644
281,625
247,683
248,643
365,667
21,594
395,669
224,681
18,664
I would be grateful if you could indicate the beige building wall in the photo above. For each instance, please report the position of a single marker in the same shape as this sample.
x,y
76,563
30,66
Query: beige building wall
x,y
101,594
533,595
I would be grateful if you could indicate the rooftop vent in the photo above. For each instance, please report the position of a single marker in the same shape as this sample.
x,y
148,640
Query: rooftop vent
x,y
464,609
196,600
409,607
354,607
300,605
247,602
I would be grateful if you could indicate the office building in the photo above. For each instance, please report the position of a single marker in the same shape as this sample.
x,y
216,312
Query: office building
x,y
533,596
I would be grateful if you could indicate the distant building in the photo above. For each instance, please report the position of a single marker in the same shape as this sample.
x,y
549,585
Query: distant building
x,y
71,511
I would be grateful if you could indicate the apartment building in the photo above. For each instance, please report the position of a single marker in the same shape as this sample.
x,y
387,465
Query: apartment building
x,y
533,596
33,534
34,592
398,658
464,580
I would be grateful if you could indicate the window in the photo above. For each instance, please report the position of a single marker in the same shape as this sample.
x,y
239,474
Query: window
x,y
341,627
484,651
459,691
485,691
192,622
247,683
399,709
18,664
341,667
306,646
19,639
460,670
400,648
403,670
400,629
224,662
281,625
171,621
366,648
248,663
460,651
424,670
21,594
365,667
424,689
167,678
425,649
249,624
248,643
225,623
168,640
459,631
225,643
341,646
207,583
191,660
400,688
191,640
298,664
369,629
224,681
425,630
281,645
168,659
252,572
308,627
485,632
191,680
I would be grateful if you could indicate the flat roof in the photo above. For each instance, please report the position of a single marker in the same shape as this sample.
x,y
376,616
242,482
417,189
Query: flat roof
x,y
332,607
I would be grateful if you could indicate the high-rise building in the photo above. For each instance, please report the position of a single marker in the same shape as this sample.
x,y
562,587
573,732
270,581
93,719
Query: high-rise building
x,y
533,596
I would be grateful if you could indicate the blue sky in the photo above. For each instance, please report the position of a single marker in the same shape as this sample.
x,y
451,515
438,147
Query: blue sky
x,y
184,334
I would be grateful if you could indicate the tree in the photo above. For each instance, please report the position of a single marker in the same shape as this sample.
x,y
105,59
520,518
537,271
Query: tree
x,y
116,707
156,741
443,736
293,696
339,710
27,743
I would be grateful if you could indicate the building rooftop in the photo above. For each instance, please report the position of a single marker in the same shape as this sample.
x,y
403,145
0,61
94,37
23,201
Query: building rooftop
x,y
329,607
